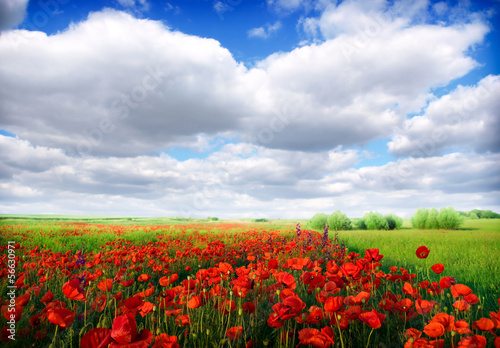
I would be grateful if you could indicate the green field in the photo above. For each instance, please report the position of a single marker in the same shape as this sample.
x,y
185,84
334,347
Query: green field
x,y
471,254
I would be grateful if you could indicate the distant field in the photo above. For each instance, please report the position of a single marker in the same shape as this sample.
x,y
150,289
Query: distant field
x,y
471,255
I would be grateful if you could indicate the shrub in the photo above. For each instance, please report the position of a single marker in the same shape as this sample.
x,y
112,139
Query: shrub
x,y
375,221
338,221
449,219
215,219
393,221
260,220
432,222
419,219
473,216
318,221
360,224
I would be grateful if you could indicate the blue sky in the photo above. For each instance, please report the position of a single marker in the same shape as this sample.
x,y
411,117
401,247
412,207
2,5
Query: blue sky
x,y
272,108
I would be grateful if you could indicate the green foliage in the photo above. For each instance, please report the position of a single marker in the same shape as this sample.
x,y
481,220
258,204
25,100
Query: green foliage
x,y
447,218
485,214
360,224
338,221
432,222
260,220
473,216
419,219
215,219
375,221
394,221
318,221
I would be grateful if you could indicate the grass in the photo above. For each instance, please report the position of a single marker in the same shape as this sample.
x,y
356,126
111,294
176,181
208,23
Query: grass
x,y
470,254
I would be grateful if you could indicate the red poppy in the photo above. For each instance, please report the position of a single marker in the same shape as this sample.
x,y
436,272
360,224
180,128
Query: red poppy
x,y
373,255
422,252
96,338
48,297
248,307
124,329
105,285
476,341
234,333
334,304
195,302
373,319
434,329
483,324
61,316
403,305
165,341
460,290
438,268
71,290
462,327
144,278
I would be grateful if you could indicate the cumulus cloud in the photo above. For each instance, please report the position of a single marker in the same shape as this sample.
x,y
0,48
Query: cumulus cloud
x,y
466,119
265,31
125,86
265,182
12,13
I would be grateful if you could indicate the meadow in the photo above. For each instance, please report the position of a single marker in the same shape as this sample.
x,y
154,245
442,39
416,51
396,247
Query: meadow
x,y
176,282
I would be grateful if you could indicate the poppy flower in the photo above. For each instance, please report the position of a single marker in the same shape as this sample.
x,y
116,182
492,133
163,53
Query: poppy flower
x,y
403,305
316,338
461,305
460,290
144,277
165,341
334,304
195,302
477,341
483,324
48,297
462,327
438,268
142,340
373,255
372,319
434,329
71,290
422,252
61,316
96,338
234,333
105,285
124,329
248,307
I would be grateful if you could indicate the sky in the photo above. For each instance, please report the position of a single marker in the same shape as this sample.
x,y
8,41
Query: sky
x,y
248,109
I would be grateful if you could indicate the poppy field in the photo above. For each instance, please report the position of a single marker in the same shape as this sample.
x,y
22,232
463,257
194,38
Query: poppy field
x,y
74,284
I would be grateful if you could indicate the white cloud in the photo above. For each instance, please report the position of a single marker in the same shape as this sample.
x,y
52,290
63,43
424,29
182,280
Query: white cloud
x,y
265,31
267,183
12,13
467,119
125,86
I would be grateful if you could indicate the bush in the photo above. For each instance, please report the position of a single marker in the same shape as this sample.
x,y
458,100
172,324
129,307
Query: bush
x,y
260,220
432,222
339,222
318,221
449,219
473,216
419,219
375,221
215,219
360,224
393,221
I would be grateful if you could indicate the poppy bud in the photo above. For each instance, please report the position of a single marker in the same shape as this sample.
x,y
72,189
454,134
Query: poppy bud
x,y
208,332
240,311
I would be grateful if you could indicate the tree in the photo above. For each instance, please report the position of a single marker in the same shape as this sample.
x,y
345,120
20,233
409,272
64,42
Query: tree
x,y
419,219
473,216
318,221
375,221
338,221
432,222
393,221
449,219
